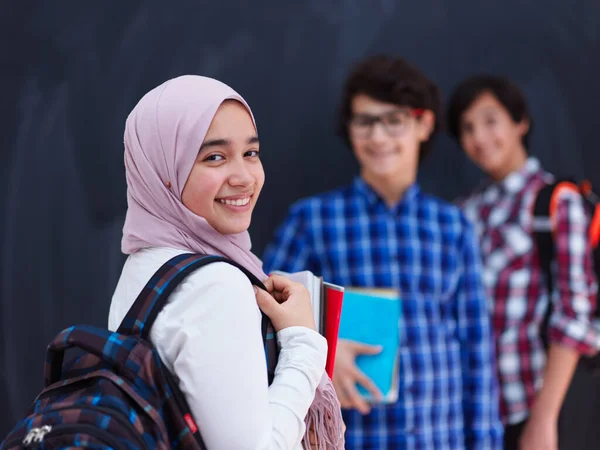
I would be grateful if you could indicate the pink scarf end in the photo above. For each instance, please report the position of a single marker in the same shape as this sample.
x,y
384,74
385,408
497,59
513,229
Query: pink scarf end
x,y
324,424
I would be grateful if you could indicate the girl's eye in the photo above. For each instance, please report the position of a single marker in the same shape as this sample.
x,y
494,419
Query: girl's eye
x,y
213,157
252,153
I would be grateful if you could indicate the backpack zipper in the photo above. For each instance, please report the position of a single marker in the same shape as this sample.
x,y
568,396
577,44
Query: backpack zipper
x,y
36,436
115,414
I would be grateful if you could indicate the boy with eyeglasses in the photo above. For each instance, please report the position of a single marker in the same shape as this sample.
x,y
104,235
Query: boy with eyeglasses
x,y
382,231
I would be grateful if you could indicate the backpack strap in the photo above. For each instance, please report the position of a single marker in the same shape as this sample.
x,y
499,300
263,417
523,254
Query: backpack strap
x,y
543,219
141,316
154,296
542,235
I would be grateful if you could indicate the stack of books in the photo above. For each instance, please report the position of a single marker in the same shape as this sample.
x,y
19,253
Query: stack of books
x,y
326,299
365,315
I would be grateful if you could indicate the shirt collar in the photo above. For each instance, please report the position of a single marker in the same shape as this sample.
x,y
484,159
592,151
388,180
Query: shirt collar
x,y
362,188
517,180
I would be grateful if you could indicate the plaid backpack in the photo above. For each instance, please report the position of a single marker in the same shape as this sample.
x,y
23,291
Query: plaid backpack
x,y
118,394
544,210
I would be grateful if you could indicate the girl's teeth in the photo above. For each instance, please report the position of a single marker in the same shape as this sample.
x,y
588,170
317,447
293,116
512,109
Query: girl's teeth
x,y
239,202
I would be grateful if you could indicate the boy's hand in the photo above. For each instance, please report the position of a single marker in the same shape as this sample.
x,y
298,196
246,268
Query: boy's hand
x,y
347,375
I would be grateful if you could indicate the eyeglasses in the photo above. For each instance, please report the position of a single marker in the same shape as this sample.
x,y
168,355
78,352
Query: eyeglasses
x,y
395,123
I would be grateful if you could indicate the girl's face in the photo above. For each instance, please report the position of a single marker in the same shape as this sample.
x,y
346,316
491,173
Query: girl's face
x,y
227,177
491,138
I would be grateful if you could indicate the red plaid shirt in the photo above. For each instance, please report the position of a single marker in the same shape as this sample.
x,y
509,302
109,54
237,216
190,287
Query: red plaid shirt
x,y
503,215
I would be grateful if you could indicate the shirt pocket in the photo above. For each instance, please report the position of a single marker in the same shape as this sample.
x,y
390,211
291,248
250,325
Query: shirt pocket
x,y
437,303
511,246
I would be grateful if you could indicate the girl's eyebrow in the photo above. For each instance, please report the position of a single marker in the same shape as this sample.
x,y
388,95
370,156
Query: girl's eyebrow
x,y
225,142
215,143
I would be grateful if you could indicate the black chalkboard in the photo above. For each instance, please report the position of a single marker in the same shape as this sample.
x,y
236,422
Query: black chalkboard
x,y
72,71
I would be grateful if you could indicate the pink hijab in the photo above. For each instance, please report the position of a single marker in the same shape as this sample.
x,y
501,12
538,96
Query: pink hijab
x,y
163,135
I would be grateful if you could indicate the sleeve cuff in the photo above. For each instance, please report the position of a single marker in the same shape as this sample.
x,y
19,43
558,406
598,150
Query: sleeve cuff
x,y
581,336
303,349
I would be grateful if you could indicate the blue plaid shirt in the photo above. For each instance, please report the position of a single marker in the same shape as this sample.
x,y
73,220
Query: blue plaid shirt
x,y
425,248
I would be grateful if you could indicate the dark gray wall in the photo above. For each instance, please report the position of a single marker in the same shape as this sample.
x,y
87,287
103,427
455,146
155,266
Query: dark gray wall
x,y
71,73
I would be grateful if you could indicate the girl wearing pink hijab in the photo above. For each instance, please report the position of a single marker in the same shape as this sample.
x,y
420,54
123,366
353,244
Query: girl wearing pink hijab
x,y
193,177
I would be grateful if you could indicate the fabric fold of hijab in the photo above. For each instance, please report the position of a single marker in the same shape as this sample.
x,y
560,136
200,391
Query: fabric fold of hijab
x,y
163,135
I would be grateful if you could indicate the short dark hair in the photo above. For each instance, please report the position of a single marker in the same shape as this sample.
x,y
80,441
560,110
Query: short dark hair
x,y
505,91
391,80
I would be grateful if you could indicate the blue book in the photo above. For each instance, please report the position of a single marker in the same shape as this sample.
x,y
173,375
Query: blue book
x,y
371,316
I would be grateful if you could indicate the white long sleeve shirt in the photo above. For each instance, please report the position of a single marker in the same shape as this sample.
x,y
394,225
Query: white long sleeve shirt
x,y
209,336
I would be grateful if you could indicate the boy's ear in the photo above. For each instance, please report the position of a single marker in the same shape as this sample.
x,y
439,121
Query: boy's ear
x,y
524,125
426,125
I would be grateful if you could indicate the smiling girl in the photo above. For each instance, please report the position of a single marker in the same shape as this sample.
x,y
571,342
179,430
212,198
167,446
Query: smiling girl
x,y
194,176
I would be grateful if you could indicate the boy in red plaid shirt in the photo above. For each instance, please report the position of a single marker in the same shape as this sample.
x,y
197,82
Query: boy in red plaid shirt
x,y
488,116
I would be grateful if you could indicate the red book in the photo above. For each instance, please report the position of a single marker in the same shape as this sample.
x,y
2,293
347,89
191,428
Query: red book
x,y
334,297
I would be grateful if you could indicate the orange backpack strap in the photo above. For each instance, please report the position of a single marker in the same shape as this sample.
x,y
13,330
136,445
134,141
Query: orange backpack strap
x,y
585,190
593,202
595,227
